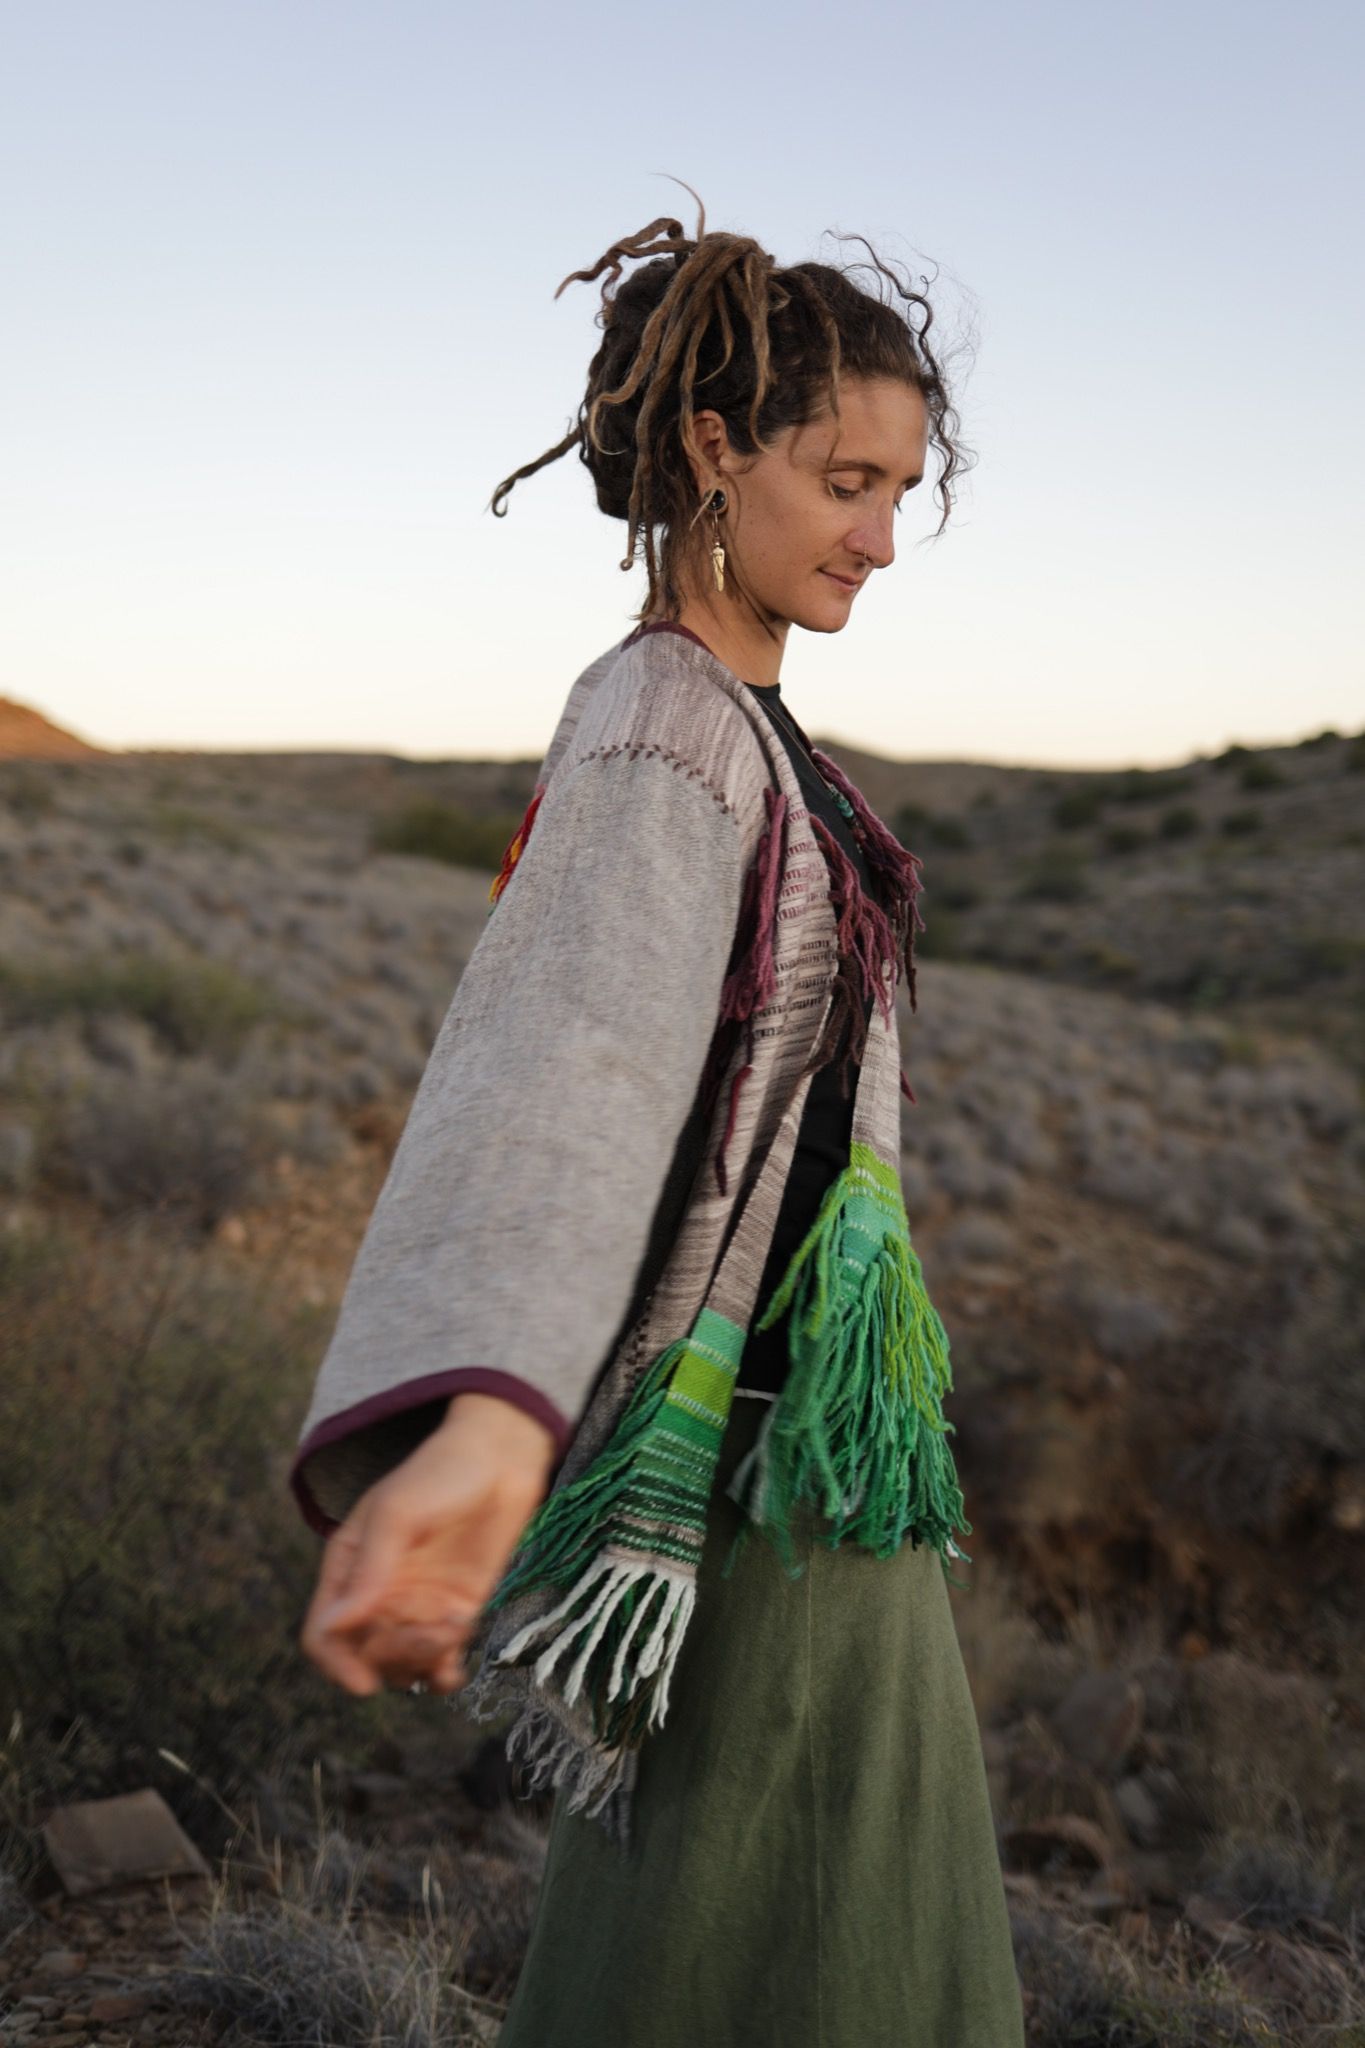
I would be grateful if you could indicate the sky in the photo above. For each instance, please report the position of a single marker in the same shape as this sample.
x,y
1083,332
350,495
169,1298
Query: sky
x,y
280,314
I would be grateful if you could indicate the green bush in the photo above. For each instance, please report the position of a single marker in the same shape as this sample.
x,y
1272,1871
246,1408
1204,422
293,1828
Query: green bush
x,y
1238,823
194,1005
1124,839
1179,822
431,830
941,938
914,824
1355,755
26,790
180,825
1078,808
1328,953
1110,963
1134,786
1261,774
1057,876
1231,755
911,822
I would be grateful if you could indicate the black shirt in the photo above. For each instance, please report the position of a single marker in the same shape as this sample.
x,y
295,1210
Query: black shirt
x,y
827,1121
822,1143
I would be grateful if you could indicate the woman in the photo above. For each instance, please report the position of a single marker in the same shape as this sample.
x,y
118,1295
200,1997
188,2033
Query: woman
x,y
639,1284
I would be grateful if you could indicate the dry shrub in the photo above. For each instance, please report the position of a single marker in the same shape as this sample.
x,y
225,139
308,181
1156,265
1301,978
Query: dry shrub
x,y
154,1570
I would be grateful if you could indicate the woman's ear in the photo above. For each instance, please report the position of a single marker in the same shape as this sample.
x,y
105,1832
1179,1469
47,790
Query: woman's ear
x,y
707,442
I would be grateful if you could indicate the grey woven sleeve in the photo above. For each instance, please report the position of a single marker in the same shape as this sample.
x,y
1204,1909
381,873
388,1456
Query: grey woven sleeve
x,y
517,1208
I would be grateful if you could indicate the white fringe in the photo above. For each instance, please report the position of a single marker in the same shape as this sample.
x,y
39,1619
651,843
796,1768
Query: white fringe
x,y
659,1651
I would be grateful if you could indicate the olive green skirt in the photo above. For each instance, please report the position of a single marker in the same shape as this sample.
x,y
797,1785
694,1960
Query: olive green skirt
x,y
813,1861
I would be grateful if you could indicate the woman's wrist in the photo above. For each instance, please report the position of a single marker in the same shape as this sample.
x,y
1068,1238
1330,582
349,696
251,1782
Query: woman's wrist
x,y
500,1428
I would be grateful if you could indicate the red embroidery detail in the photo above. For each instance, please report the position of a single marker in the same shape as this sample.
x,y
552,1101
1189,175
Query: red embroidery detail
x,y
516,846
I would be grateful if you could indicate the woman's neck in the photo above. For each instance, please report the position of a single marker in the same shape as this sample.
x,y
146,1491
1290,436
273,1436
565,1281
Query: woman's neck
x,y
737,641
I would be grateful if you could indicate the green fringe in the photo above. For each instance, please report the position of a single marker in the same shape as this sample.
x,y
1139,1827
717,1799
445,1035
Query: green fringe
x,y
626,1536
858,1430
569,1527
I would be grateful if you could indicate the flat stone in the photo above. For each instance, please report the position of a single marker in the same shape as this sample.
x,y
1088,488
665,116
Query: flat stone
x,y
98,1842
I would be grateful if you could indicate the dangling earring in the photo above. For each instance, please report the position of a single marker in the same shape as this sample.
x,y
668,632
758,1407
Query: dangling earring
x,y
717,504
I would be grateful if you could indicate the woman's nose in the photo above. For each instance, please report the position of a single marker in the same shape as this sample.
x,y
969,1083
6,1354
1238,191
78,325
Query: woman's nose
x,y
875,538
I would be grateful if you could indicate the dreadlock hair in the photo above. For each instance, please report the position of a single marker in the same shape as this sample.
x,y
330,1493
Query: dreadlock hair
x,y
768,344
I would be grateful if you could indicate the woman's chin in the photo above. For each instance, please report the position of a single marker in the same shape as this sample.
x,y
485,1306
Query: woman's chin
x,y
823,618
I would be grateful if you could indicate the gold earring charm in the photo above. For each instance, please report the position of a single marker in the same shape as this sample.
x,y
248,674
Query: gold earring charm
x,y
717,504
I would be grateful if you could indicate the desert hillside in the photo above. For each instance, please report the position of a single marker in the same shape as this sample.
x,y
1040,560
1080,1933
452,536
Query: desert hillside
x,y
1135,1176
25,735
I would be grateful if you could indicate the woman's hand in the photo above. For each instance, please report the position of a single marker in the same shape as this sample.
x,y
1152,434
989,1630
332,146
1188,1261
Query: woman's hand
x,y
404,1578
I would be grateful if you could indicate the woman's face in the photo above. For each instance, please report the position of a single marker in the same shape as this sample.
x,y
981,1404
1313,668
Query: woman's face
x,y
801,515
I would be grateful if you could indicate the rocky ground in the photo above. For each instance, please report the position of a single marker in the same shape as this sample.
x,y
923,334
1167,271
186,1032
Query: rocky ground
x,y
1135,1173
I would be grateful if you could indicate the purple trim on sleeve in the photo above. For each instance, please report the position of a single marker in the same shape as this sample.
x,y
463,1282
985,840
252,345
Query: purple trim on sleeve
x,y
433,1386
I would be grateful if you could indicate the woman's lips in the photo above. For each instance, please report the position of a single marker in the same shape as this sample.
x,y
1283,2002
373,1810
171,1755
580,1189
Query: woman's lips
x,y
849,583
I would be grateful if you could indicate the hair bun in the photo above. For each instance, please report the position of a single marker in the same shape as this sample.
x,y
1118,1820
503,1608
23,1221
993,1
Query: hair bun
x,y
624,315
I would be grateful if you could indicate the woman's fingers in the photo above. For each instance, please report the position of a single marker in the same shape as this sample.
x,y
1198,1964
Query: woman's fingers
x,y
382,1617
385,1539
404,1580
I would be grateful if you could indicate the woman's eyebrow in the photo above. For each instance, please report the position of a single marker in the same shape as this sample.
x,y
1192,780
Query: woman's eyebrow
x,y
873,469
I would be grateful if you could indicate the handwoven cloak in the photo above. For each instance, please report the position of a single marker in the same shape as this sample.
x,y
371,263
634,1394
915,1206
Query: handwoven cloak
x,y
670,919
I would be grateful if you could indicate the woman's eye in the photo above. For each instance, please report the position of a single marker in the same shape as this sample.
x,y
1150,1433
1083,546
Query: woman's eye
x,y
840,492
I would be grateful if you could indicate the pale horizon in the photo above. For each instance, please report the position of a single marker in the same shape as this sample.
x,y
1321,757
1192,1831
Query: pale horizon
x,y
282,316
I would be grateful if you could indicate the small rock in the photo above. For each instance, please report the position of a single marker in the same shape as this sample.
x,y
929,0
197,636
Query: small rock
x,y
1105,1899
1099,1719
1068,1839
60,1962
1141,1814
117,2005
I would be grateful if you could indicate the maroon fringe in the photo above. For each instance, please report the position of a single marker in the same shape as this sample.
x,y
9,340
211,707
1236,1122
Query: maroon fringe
x,y
872,929
895,877
752,981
